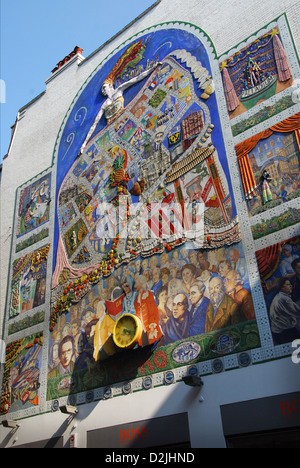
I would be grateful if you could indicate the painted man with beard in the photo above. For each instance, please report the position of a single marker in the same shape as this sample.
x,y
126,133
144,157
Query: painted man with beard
x,y
222,311
235,289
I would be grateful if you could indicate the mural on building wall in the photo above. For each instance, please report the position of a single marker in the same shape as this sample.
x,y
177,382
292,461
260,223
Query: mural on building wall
x,y
145,211
29,282
34,205
145,222
160,152
255,73
269,165
279,268
21,380
198,297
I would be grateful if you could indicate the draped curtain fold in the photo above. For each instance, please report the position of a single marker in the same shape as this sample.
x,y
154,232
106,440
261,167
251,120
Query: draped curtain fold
x,y
267,260
282,64
243,149
230,94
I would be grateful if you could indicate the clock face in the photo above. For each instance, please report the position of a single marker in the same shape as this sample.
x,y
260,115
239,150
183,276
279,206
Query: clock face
x,y
127,331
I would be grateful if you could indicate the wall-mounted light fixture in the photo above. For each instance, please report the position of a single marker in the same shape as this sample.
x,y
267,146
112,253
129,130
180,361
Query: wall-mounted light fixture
x,y
193,380
10,424
68,409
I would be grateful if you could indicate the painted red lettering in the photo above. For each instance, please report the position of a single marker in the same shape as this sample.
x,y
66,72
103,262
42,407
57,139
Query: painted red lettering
x,y
294,406
148,364
160,359
122,435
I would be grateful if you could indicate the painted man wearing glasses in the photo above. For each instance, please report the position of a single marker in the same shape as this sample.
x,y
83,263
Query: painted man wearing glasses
x,y
177,326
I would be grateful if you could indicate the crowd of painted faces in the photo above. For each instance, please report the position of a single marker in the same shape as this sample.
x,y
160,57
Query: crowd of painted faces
x,y
176,296
185,293
194,292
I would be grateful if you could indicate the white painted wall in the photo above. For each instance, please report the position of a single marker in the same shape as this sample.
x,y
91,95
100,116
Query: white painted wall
x,y
273,378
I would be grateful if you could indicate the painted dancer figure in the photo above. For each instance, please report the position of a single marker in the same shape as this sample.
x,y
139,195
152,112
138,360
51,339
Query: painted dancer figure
x,y
265,187
114,103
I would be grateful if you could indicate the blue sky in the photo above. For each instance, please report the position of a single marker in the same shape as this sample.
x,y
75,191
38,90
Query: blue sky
x,y
36,35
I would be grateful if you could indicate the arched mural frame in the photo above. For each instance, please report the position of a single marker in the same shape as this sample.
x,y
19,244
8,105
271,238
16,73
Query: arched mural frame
x,y
67,137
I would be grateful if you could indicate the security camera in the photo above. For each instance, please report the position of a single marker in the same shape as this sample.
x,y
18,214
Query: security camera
x,y
68,409
192,380
11,424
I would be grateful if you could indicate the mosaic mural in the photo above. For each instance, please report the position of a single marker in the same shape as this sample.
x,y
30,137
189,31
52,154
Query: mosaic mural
x,y
142,204
34,205
29,281
276,223
269,165
200,295
21,380
159,154
279,267
146,218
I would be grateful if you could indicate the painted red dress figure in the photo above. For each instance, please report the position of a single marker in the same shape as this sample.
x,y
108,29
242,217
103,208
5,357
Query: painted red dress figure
x,y
147,311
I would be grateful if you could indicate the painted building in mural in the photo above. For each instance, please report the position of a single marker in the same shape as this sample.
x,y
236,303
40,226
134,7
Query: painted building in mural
x,y
158,238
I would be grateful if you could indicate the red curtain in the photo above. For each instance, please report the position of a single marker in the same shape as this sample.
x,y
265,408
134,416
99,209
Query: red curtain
x,y
268,260
243,149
